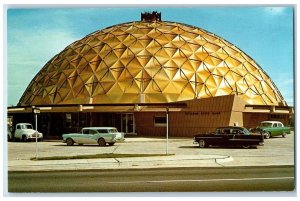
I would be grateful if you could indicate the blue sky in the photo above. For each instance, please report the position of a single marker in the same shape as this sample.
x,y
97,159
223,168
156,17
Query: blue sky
x,y
34,36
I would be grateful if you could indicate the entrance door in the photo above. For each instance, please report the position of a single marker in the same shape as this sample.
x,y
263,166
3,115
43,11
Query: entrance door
x,y
128,123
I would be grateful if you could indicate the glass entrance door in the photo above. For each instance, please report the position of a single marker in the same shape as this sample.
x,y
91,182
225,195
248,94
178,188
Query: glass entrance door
x,y
128,123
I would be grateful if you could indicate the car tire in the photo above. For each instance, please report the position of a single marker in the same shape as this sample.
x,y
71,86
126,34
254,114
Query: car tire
x,y
267,135
246,146
284,135
202,143
101,142
24,138
69,142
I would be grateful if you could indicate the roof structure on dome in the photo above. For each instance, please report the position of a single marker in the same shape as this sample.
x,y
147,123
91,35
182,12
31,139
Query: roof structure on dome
x,y
150,62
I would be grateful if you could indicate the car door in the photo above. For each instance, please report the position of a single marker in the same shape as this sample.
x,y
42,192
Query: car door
x,y
276,129
103,133
88,136
225,135
92,138
17,131
232,136
80,138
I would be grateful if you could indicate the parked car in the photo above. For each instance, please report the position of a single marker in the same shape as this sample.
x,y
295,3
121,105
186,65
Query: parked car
x,y
229,136
24,132
120,136
94,135
9,134
273,128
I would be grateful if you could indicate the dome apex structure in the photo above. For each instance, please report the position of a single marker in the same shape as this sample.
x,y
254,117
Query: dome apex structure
x,y
150,61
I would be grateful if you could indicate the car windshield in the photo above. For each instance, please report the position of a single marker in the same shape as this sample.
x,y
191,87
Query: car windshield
x,y
246,132
27,126
265,124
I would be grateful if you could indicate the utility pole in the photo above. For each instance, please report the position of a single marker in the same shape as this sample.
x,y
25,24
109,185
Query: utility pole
x,y
36,111
167,133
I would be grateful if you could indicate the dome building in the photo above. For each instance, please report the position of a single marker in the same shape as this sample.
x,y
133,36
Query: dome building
x,y
129,75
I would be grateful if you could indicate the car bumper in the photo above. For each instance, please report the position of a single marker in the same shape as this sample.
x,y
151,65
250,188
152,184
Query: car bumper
x,y
119,139
34,138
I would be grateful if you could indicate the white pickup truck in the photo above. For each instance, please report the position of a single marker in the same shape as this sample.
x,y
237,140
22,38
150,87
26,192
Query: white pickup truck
x,y
24,132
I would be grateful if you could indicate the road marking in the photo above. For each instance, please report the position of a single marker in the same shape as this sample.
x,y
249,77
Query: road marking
x,y
201,180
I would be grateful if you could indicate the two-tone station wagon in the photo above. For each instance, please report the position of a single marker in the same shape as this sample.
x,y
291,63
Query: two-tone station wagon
x,y
94,135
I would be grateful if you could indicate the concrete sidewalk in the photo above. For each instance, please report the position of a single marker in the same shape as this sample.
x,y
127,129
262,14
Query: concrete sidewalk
x,y
119,163
142,162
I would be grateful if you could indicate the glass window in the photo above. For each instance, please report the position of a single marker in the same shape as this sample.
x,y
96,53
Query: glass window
x,y
266,124
93,132
112,131
246,131
160,121
220,131
102,131
68,120
26,126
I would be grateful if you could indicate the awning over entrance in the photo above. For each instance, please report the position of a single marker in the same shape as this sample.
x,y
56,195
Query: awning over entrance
x,y
101,108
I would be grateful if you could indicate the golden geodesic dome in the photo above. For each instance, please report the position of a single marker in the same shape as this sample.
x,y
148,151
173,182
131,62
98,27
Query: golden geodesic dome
x,y
150,62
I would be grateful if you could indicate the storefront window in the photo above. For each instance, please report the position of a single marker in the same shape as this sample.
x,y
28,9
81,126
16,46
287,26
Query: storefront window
x,y
160,121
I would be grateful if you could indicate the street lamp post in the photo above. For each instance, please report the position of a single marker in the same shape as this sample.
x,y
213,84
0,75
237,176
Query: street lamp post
x,y
167,133
36,111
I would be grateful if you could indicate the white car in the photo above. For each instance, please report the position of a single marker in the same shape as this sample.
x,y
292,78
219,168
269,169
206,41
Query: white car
x,y
94,135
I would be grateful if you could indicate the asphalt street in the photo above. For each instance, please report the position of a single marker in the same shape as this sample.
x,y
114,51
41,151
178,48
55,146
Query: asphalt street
x,y
235,179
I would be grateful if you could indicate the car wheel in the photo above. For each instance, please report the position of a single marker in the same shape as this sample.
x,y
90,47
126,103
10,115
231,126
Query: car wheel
x,y
69,142
111,144
267,135
24,138
246,146
284,135
101,142
202,143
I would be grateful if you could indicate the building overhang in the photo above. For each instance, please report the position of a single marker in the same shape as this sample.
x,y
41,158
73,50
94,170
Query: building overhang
x,y
269,109
130,107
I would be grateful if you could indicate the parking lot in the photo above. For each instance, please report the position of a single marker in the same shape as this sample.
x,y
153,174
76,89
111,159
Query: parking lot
x,y
275,149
